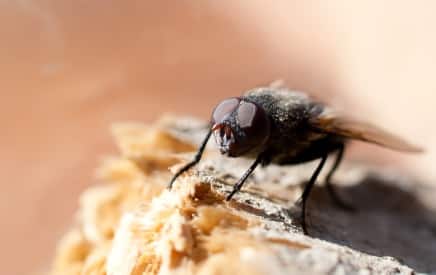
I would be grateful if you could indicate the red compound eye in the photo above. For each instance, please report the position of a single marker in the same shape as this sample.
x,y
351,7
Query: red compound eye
x,y
224,109
253,120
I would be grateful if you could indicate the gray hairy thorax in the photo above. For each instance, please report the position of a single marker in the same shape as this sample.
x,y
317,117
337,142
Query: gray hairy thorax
x,y
291,136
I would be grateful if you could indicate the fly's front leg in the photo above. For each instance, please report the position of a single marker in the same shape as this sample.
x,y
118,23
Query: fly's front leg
x,y
247,173
193,162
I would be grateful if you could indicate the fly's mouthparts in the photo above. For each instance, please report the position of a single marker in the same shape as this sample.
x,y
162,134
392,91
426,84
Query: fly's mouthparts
x,y
224,137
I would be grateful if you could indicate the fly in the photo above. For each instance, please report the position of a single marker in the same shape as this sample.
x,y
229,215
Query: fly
x,y
278,125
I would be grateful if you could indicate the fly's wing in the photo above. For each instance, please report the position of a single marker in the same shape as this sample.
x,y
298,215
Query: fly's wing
x,y
353,129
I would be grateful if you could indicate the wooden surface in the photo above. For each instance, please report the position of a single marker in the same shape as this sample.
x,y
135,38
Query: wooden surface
x,y
192,229
68,71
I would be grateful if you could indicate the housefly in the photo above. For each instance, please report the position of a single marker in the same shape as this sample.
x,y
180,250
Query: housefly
x,y
278,125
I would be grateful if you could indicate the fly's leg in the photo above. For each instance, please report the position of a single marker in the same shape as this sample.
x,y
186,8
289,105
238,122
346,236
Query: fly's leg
x,y
193,162
247,173
307,190
331,189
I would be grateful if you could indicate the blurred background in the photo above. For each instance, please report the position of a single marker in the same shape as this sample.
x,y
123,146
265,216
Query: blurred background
x,y
68,69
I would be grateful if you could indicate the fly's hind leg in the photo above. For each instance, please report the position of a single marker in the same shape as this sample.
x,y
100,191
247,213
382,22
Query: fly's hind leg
x,y
331,189
307,190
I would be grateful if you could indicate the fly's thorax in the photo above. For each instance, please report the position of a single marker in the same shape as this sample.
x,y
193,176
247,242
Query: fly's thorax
x,y
289,111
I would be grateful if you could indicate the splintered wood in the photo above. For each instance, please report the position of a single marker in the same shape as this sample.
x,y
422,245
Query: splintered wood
x,y
131,224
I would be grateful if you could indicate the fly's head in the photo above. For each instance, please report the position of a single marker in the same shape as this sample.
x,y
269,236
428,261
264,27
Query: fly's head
x,y
239,126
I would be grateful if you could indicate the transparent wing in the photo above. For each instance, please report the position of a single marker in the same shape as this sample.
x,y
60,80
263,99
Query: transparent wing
x,y
354,129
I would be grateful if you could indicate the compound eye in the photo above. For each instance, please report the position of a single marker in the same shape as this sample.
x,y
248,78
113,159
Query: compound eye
x,y
253,121
224,109
246,114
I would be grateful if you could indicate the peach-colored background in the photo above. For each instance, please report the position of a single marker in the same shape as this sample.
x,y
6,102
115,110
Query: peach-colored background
x,y
68,69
